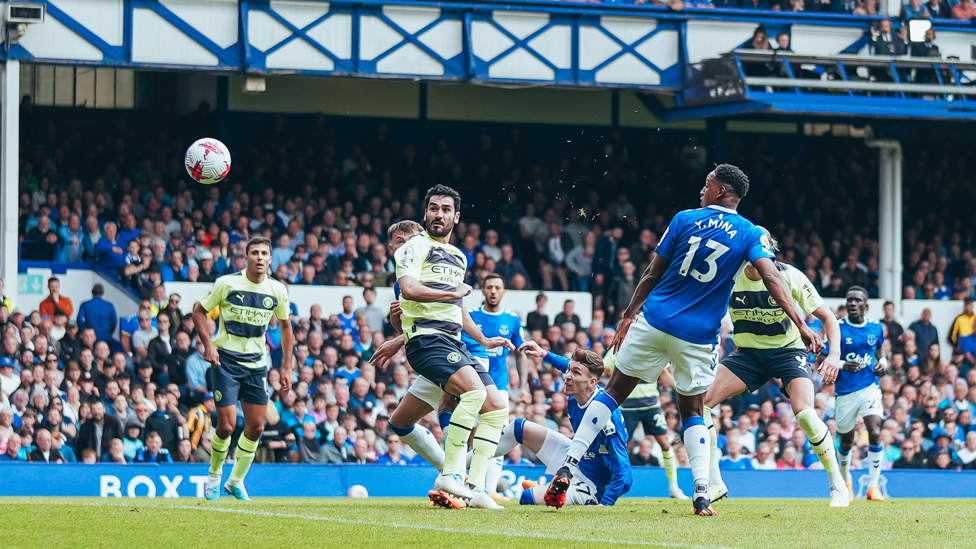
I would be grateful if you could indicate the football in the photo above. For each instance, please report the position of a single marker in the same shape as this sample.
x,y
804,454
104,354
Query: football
x,y
358,491
207,161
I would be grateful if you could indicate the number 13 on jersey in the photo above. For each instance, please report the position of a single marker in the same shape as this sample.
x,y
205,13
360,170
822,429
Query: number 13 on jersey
x,y
717,250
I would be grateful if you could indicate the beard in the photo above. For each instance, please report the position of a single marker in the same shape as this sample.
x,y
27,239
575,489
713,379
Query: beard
x,y
440,232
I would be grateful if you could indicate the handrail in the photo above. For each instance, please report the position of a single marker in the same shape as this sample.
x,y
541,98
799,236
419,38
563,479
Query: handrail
x,y
857,85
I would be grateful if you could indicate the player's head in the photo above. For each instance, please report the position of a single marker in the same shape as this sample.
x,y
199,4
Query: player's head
x,y
584,373
400,232
725,185
493,288
857,303
259,254
442,210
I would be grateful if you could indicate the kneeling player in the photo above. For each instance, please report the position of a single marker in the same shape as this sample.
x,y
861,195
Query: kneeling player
x,y
769,346
605,466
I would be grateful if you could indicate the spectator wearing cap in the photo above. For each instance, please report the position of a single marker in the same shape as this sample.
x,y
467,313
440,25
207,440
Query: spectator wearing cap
x,y
99,315
199,421
55,301
97,433
9,382
205,259
132,442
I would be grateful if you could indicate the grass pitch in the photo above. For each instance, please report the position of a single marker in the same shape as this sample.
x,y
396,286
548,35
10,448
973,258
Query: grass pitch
x,y
402,523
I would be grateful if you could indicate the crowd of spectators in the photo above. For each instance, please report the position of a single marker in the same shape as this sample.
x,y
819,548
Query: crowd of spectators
x,y
911,9
73,390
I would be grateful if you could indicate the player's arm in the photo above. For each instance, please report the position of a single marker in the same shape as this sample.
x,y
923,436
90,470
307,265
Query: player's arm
x,y
396,317
880,361
780,291
651,277
287,344
829,363
520,360
204,334
206,304
472,329
412,289
621,477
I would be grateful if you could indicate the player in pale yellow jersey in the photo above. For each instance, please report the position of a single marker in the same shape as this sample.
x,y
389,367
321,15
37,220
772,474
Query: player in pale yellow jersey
x,y
769,346
247,300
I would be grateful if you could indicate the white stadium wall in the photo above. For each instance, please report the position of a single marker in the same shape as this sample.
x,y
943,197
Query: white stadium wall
x,y
330,298
77,283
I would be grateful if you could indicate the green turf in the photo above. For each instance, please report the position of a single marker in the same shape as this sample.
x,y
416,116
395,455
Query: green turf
x,y
401,523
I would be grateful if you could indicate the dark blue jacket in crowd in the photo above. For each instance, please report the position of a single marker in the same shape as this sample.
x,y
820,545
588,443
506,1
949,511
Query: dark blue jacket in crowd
x,y
99,315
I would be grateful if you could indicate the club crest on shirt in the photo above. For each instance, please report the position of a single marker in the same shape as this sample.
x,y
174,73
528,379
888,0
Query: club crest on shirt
x,y
772,301
503,330
267,302
872,339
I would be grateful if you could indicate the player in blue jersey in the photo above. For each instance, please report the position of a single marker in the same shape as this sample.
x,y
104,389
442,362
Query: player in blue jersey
x,y
857,389
605,473
675,316
495,321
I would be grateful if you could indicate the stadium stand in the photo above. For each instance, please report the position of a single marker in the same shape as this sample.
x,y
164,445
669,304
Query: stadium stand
x,y
584,218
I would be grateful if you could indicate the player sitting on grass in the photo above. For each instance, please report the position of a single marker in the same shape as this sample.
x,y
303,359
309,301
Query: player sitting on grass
x,y
605,466
769,346
861,348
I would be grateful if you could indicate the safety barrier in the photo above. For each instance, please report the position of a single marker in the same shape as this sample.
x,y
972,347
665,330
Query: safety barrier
x,y
188,480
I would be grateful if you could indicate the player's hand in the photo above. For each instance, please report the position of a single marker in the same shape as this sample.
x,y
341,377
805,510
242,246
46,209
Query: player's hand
x,y
525,396
879,369
395,310
462,290
532,349
828,369
492,342
386,351
211,356
622,327
286,373
810,338
851,366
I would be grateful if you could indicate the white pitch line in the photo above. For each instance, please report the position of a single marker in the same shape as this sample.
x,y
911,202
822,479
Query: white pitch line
x,y
360,522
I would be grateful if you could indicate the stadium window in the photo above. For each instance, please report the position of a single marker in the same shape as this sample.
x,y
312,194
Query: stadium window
x,y
89,87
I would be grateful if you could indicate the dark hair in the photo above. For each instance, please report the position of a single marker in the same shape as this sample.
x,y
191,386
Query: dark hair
x,y
857,289
967,301
443,190
589,360
886,303
493,276
727,174
258,241
403,227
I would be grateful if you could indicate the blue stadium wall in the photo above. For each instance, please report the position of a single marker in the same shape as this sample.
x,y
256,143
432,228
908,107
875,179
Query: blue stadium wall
x,y
187,481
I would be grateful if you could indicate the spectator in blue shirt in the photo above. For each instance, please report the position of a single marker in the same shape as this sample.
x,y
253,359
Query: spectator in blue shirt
x,y
100,315
359,395
196,366
735,459
393,455
72,240
154,451
109,250
14,444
